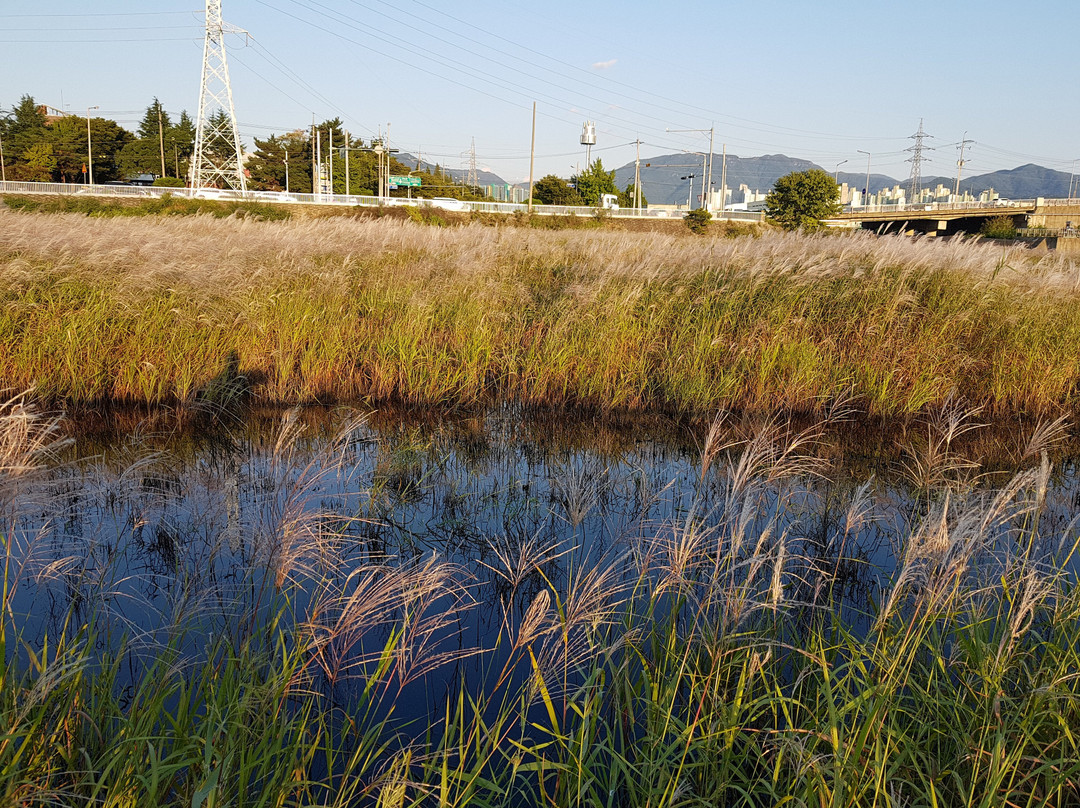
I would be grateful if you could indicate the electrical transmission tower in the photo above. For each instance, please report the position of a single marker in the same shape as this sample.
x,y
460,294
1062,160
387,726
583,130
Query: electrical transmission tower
x,y
217,137
917,159
473,181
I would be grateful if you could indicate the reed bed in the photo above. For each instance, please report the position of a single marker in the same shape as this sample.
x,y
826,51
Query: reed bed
x,y
728,657
166,309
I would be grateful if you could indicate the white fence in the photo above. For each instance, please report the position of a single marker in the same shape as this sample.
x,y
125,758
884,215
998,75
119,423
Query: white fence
x,y
279,197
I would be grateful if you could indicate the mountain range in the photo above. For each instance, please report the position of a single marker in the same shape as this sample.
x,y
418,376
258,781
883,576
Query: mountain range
x,y
662,178
459,174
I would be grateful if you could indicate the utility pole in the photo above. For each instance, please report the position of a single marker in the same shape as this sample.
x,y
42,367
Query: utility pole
x,y
710,130
3,168
207,168
318,157
723,181
532,157
286,171
866,190
314,173
708,182
89,149
161,138
347,162
960,163
637,174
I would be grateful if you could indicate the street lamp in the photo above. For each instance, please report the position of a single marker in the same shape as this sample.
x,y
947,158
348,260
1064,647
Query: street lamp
x,y
690,195
836,172
866,190
89,148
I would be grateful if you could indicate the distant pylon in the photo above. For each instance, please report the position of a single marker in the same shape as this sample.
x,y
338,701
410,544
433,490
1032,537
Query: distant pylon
x,y
916,160
474,182
215,130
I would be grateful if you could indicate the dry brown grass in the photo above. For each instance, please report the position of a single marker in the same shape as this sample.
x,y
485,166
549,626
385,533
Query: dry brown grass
x,y
160,309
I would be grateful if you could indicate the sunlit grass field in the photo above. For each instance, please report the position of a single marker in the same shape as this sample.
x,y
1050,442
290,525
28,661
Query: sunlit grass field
x,y
171,309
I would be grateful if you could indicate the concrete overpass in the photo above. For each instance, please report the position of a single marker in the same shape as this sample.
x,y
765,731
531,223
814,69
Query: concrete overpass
x,y
950,218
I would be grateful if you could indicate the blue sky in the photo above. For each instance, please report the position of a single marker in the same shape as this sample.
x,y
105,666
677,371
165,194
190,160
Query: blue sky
x,y
817,80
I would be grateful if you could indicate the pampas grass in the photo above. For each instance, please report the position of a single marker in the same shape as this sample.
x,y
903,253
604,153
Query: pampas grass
x,y
184,310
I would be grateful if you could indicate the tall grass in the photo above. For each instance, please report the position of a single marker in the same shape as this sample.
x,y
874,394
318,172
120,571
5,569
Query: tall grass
x,y
166,310
739,654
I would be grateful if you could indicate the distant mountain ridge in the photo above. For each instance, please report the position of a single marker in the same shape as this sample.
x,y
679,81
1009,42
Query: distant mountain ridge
x,y
662,177
459,174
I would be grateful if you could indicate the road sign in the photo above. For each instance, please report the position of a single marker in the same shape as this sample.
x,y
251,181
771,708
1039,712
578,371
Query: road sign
x,y
413,182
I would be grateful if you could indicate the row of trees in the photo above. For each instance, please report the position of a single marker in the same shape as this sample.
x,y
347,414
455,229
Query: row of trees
x,y
585,188
42,148
38,147
282,162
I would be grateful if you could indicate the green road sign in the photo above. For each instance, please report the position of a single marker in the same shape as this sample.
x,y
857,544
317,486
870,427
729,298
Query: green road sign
x,y
405,181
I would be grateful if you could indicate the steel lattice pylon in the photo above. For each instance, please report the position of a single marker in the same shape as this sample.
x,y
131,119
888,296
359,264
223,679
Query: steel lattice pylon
x,y
217,138
917,160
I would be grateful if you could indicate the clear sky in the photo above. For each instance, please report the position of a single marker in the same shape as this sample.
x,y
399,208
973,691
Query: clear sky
x,y
817,80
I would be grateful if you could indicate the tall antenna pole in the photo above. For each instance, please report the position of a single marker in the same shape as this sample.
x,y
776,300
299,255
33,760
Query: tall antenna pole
x,y
916,160
960,163
212,161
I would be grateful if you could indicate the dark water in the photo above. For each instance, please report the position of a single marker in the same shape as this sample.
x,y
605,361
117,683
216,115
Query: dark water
x,y
151,524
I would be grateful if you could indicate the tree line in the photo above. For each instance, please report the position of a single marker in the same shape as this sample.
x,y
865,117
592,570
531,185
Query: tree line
x,y
39,147
584,188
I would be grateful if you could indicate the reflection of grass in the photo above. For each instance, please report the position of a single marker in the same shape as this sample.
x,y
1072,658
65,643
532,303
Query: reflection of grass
x,y
153,310
715,661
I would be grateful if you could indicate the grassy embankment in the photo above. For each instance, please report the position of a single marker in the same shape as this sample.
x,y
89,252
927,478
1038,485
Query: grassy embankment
x,y
719,660
170,309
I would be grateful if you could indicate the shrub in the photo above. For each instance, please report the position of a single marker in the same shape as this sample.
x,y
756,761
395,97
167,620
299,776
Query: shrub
x,y
169,182
698,220
998,227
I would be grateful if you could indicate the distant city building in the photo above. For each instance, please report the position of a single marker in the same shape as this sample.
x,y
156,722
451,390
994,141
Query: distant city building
x,y
507,193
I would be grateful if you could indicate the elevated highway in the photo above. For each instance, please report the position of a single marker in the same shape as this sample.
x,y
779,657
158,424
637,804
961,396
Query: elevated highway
x,y
949,218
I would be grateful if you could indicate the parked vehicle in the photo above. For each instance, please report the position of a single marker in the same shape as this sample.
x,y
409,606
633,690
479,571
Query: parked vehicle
x,y
449,204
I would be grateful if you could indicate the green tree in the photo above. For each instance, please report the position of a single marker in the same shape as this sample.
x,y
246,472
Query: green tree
x,y
552,190
626,198
140,157
38,163
803,199
23,128
594,182
148,126
179,144
109,139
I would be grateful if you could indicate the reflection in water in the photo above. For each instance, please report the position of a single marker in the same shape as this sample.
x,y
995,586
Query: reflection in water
x,y
462,532
153,527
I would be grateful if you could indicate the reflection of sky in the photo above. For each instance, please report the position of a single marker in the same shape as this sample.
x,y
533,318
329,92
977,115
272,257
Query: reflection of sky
x,y
137,537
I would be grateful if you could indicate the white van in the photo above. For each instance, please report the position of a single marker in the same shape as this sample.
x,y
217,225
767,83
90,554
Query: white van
x,y
609,201
446,203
